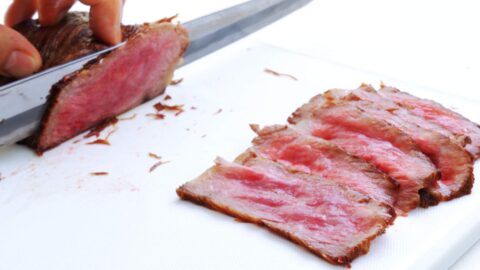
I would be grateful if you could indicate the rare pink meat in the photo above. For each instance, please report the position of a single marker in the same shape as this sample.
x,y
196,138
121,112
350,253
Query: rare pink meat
x,y
376,141
335,223
113,83
452,160
436,113
316,156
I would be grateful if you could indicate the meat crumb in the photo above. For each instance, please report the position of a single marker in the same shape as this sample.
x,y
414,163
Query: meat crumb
x,y
99,128
128,118
76,141
155,156
219,111
273,72
178,109
167,97
104,141
175,82
157,116
255,128
158,163
168,19
100,141
99,173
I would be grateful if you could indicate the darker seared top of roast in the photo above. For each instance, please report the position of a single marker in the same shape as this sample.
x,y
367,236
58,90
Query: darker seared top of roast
x,y
68,40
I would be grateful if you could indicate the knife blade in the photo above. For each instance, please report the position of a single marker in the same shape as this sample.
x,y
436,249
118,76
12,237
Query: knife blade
x,y
23,102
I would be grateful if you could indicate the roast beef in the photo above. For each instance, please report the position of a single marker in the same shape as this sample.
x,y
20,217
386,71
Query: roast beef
x,y
331,221
105,87
452,160
438,114
381,144
308,154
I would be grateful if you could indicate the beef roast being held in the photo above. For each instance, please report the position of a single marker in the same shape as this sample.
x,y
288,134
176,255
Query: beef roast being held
x,y
107,86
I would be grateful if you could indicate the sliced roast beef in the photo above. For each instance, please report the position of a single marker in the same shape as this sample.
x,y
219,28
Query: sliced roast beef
x,y
438,114
308,154
111,84
381,144
452,160
331,221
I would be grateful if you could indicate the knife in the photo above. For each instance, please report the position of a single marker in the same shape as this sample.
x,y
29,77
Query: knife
x,y
23,102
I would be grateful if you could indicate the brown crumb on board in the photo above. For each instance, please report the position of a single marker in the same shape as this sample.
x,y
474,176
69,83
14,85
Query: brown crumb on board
x,y
178,109
77,141
219,111
155,156
168,19
99,173
104,141
178,113
158,163
193,108
175,82
273,72
204,135
128,118
99,128
156,116
255,128
100,141
167,97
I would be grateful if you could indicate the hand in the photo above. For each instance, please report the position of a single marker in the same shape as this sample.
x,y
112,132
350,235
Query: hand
x,y
18,58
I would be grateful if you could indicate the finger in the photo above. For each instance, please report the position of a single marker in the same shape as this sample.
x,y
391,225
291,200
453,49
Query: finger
x,y
18,58
51,12
19,11
105,19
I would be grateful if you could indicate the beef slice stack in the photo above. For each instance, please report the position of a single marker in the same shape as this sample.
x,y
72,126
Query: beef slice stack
x,y
344,167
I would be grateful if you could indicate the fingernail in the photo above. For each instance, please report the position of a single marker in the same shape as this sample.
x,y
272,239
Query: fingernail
x,y
20,64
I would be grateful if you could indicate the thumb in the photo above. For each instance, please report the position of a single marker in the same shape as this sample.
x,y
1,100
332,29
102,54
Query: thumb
x,y
18,58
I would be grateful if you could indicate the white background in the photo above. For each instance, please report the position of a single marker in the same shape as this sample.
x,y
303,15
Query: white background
x,y
56,216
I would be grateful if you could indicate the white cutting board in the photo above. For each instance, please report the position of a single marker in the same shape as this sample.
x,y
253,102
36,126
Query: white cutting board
x,y
55,215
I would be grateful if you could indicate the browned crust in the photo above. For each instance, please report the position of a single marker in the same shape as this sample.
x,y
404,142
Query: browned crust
x,y
428,199
346,260
129,32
